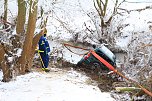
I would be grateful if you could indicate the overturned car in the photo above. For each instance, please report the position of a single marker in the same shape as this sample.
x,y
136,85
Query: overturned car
x,y
91,62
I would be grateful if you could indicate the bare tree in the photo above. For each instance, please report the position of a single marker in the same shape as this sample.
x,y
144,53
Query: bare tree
x,y
21,17
106,17
4,64
19,64
27,47
5,10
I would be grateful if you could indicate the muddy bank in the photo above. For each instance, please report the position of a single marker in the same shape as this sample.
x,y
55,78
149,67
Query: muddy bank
x,y
108,83
105,82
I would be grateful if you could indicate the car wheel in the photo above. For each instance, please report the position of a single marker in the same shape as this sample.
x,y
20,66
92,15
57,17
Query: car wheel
x,y
96,67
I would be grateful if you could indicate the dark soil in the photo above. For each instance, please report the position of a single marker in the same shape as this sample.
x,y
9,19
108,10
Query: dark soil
x,y
104,81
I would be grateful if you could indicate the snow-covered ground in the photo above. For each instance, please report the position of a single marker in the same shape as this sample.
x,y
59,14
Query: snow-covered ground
x,y
57,85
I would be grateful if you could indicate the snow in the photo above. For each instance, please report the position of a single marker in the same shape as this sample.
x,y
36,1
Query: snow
x,y
71,57
19,51
11,9
58,85
67,85
138,21
10,59
1,74
67,55
123,42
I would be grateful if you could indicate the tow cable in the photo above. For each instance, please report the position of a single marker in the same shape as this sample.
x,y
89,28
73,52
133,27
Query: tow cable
x,y
109,66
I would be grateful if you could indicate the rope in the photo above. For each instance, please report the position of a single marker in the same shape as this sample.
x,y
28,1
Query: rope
x,y
111,68
76,47
65,44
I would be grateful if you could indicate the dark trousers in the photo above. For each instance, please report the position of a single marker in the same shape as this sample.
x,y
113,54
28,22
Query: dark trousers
x,y
45,60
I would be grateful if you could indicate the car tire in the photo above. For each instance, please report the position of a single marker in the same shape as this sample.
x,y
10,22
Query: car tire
x,y
96,67
99,68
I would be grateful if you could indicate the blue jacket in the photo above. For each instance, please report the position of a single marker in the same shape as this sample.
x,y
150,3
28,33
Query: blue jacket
x,y
44,45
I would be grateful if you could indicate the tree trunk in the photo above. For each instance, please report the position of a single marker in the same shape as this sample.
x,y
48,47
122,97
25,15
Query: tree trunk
x,y
21,17
3,64
34,45
5,10
5,13
27,48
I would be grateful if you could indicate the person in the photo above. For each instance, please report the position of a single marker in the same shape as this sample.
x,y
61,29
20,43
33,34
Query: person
x,y
44,49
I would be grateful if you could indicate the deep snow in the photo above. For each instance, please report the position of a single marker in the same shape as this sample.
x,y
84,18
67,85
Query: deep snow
x,y
57,85
61,85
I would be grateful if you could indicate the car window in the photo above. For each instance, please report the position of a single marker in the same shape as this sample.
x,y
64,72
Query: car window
x,y
108,53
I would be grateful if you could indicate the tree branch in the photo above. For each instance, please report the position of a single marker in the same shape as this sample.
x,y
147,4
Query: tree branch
x,y
105,7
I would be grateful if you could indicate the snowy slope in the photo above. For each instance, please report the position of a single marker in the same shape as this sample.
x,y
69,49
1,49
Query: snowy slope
x,y
72,13
67,86
139,21
58,85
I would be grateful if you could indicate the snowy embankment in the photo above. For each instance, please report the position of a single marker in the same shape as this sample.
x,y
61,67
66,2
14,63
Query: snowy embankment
x,y
58,85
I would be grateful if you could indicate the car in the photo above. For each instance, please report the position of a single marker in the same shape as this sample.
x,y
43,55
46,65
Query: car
x,y
91,62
